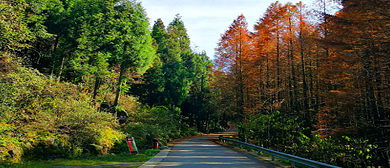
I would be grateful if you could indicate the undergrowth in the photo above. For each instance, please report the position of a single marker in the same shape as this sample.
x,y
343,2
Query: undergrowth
x,y
42,119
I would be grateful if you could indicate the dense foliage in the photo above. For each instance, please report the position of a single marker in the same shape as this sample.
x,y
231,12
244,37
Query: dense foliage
x,y
43,119
68,70
180,78
310,82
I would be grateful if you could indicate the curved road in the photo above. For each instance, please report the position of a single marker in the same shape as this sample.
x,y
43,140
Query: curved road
x,y
202,153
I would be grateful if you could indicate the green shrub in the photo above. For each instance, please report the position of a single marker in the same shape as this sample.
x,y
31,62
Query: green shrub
x,y
156,123
43,119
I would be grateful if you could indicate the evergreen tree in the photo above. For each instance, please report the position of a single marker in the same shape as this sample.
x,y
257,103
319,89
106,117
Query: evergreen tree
x,y
133,49
151,90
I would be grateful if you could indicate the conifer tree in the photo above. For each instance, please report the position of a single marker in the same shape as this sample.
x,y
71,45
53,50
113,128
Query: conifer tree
x,y
233,55
133,49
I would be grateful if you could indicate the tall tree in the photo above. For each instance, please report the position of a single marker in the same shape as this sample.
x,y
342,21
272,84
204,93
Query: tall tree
x,y
172,45
304,30
153,86
133,49
91,56
175,73
233,55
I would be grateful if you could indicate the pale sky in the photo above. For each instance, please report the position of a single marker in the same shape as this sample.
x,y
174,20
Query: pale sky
x,y
206,20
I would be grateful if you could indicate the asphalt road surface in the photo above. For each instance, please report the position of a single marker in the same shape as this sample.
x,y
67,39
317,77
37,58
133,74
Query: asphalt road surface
x,y
202,153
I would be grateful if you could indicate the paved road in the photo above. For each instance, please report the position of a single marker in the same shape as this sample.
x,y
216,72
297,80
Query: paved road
x,y
202,153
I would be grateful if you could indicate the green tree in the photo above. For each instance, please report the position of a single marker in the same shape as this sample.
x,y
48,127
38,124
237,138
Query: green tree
x,y
198,107
179,77
21,25
91,56
151,90
132,45
171,50
177,30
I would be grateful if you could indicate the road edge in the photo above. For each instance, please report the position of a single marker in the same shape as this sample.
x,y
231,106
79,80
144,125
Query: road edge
x,y
156,159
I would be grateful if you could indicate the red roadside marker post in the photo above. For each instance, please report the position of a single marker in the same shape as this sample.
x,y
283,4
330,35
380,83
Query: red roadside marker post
x,y
155,144
131,144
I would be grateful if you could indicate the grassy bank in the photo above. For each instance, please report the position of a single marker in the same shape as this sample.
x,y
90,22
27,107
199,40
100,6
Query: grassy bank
x,y
122,160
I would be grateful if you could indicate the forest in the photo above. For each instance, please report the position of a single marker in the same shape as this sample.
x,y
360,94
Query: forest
x,y
319,90
78,76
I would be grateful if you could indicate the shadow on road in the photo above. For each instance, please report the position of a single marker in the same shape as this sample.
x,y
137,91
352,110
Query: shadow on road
x,y
200,152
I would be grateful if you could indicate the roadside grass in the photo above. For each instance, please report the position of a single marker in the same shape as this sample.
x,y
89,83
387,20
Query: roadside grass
x,y
127,160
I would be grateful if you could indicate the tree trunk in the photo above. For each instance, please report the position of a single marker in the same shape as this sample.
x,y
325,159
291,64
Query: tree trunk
x,y
96,87
307,116
118,89
61,69
53,52
121,74
278,95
